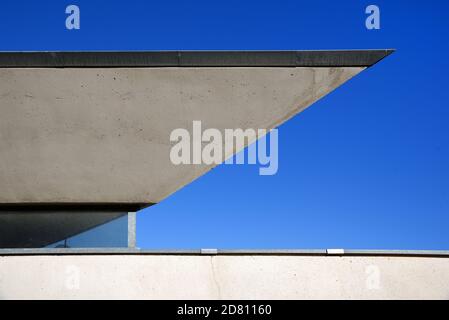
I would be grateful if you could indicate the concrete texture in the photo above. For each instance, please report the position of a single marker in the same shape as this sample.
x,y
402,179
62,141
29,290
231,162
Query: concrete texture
x,y
101,135
223,277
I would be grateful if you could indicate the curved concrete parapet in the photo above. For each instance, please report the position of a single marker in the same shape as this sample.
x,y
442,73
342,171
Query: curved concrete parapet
x,y
94,128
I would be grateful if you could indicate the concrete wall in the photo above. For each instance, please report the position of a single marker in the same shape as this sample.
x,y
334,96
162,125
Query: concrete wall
x,y
223,277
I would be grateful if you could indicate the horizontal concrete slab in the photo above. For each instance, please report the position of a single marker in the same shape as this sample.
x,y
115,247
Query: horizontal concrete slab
x,y
223,277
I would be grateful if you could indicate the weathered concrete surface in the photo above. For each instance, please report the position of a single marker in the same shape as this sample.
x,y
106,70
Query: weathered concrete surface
x,y
223,277
95,135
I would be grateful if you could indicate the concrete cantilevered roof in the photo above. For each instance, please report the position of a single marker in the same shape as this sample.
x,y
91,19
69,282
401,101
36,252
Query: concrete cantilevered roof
x,y
94,127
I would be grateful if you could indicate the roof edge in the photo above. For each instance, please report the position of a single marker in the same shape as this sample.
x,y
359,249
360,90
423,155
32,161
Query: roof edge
x,y
237,252
130,59
72,206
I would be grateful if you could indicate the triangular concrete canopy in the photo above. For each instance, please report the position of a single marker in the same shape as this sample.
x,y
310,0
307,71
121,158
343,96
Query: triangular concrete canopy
x,y
94,127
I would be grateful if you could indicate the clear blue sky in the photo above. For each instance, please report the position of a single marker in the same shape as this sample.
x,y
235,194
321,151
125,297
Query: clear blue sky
x,y
365,167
